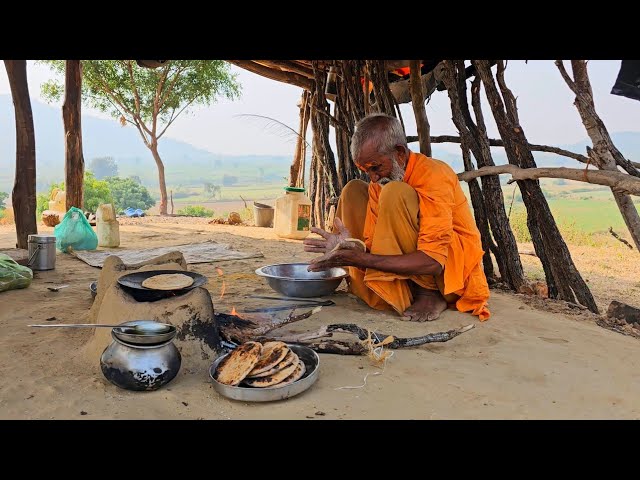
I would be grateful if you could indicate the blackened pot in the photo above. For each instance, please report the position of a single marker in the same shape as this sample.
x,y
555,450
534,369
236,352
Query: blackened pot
x,y
140,367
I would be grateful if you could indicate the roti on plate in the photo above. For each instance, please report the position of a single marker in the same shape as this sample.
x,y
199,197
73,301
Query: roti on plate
x,y
295,376
271,380
290,359
235,366
168,281
272,354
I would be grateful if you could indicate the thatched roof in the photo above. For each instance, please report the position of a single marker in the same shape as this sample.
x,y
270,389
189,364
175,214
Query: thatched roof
x,y
301,73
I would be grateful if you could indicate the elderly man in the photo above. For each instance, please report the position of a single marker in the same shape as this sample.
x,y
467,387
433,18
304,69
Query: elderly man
x,y
408,237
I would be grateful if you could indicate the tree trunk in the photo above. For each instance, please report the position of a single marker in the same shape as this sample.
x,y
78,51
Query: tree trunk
x,y
476,139
385,103
161,180
23,198
563,278
480,215
74,160
348,111
344,156
313,189
320,127
420,112
604,153
299,158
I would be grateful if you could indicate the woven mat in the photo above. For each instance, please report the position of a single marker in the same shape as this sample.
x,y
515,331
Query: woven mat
x,y
205,252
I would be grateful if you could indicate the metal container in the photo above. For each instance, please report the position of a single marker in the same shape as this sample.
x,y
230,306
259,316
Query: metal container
x,y
247,394
138,366
42,252
263,215
293,279
143,339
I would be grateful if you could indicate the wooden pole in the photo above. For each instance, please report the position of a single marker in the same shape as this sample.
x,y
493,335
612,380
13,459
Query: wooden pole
x,y
299,154
71,114
477,141
23,197
420,112
605,155
563,278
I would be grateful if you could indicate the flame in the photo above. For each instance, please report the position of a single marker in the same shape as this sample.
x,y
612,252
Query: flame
x,y
223,287
233,312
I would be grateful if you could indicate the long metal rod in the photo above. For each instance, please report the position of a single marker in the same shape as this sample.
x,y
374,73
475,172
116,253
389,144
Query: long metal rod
x,y
77,325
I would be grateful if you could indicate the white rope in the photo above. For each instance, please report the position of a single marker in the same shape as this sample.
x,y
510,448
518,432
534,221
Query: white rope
x,y
377,353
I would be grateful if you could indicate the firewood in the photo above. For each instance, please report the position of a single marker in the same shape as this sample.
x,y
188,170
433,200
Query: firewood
x,y
625,312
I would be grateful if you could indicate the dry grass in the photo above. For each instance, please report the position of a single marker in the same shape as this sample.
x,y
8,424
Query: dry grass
x,y
6,217
611,271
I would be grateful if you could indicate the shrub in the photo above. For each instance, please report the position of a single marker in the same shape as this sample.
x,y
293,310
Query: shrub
x,y
518,221
196,211
95,192
3,196
6,217
126,192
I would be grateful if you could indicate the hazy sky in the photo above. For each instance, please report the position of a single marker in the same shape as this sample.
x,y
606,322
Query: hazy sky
x,y
545,105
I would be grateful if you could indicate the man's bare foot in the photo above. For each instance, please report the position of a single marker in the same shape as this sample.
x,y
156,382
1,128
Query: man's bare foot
x,y
427,306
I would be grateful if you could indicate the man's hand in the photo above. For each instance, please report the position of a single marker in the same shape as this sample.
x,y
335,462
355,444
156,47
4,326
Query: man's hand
x,y
343,257
329,241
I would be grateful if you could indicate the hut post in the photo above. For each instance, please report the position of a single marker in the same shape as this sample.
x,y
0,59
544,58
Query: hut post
x,y
475,138
419,110
563,278
479,212
604,154
23,197
296,172
71,114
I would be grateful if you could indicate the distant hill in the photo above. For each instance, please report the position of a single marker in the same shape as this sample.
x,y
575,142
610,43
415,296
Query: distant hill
x,y
186,165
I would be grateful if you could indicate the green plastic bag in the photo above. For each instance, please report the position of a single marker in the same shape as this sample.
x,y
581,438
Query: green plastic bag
x,y
13,275
75,232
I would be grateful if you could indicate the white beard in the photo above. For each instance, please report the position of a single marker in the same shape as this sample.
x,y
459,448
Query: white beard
x,y
396,175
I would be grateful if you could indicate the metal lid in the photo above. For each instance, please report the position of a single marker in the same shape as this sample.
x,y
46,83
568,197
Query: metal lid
x,y
38,238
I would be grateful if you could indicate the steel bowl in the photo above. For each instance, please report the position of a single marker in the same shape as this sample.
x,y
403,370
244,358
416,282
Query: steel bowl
x,y
143,339
269,394
293,279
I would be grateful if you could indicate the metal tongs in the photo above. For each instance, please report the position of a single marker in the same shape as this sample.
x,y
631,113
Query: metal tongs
x,y
304,302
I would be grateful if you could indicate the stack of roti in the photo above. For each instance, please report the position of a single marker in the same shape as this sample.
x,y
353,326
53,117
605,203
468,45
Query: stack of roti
x,y
257,365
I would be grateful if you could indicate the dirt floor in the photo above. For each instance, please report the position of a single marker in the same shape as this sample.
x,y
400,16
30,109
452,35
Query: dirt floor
x,y
533,359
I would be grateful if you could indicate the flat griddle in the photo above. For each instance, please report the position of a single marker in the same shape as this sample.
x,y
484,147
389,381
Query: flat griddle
x,y
132,284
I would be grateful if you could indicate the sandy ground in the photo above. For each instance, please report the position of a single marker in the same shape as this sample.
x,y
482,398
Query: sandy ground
x,y
523,363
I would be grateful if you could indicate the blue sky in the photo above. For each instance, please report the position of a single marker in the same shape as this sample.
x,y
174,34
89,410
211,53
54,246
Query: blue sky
x,y
545,105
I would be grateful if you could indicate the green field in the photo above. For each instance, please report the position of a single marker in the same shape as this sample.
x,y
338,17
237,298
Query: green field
x,y
584,213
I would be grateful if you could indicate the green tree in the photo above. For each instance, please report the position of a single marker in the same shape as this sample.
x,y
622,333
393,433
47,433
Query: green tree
x,y
126,192
103,167
149,99
3,196
95,192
